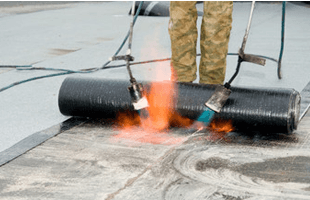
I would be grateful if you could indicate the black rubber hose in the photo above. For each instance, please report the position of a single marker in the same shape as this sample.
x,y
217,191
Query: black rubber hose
x,y
250,109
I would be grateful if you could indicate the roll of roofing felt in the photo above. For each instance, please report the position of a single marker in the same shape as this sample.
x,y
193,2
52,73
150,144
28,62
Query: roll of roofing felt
x,y
155,8
250,109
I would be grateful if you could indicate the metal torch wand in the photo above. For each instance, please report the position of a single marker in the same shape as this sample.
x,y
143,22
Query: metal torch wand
x,y
138,100
222,92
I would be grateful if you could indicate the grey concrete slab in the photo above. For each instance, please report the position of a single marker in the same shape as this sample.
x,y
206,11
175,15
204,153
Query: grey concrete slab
x,y
20,7
32,107
86,34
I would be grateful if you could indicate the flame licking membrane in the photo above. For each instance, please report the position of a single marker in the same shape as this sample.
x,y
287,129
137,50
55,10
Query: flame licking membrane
x,y
162,115
219,128
162,97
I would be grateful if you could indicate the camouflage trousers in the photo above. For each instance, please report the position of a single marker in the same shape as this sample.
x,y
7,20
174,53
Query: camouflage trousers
x,y
214,38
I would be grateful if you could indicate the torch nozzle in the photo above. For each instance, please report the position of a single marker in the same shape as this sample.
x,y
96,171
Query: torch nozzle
x,y
219,97
215,103
138,100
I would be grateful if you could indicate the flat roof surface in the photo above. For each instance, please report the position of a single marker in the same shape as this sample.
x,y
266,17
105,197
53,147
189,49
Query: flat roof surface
x,y
82,158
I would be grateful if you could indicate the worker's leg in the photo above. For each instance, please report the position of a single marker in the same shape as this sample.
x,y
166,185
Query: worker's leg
x,y
215,32
183,35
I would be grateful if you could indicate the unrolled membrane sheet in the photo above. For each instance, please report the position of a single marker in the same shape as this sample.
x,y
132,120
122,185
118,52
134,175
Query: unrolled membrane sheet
x,y
250,109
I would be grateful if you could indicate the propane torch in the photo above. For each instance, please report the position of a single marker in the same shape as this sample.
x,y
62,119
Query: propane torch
x,y
222,92
135,89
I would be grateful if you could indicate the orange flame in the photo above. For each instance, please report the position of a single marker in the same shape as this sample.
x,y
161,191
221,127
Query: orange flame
x,y
126,120
220,128
161,116
161,108
161,99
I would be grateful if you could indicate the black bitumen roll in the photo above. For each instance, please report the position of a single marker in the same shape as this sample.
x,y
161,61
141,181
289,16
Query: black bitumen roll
x,y
250,109
155,8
